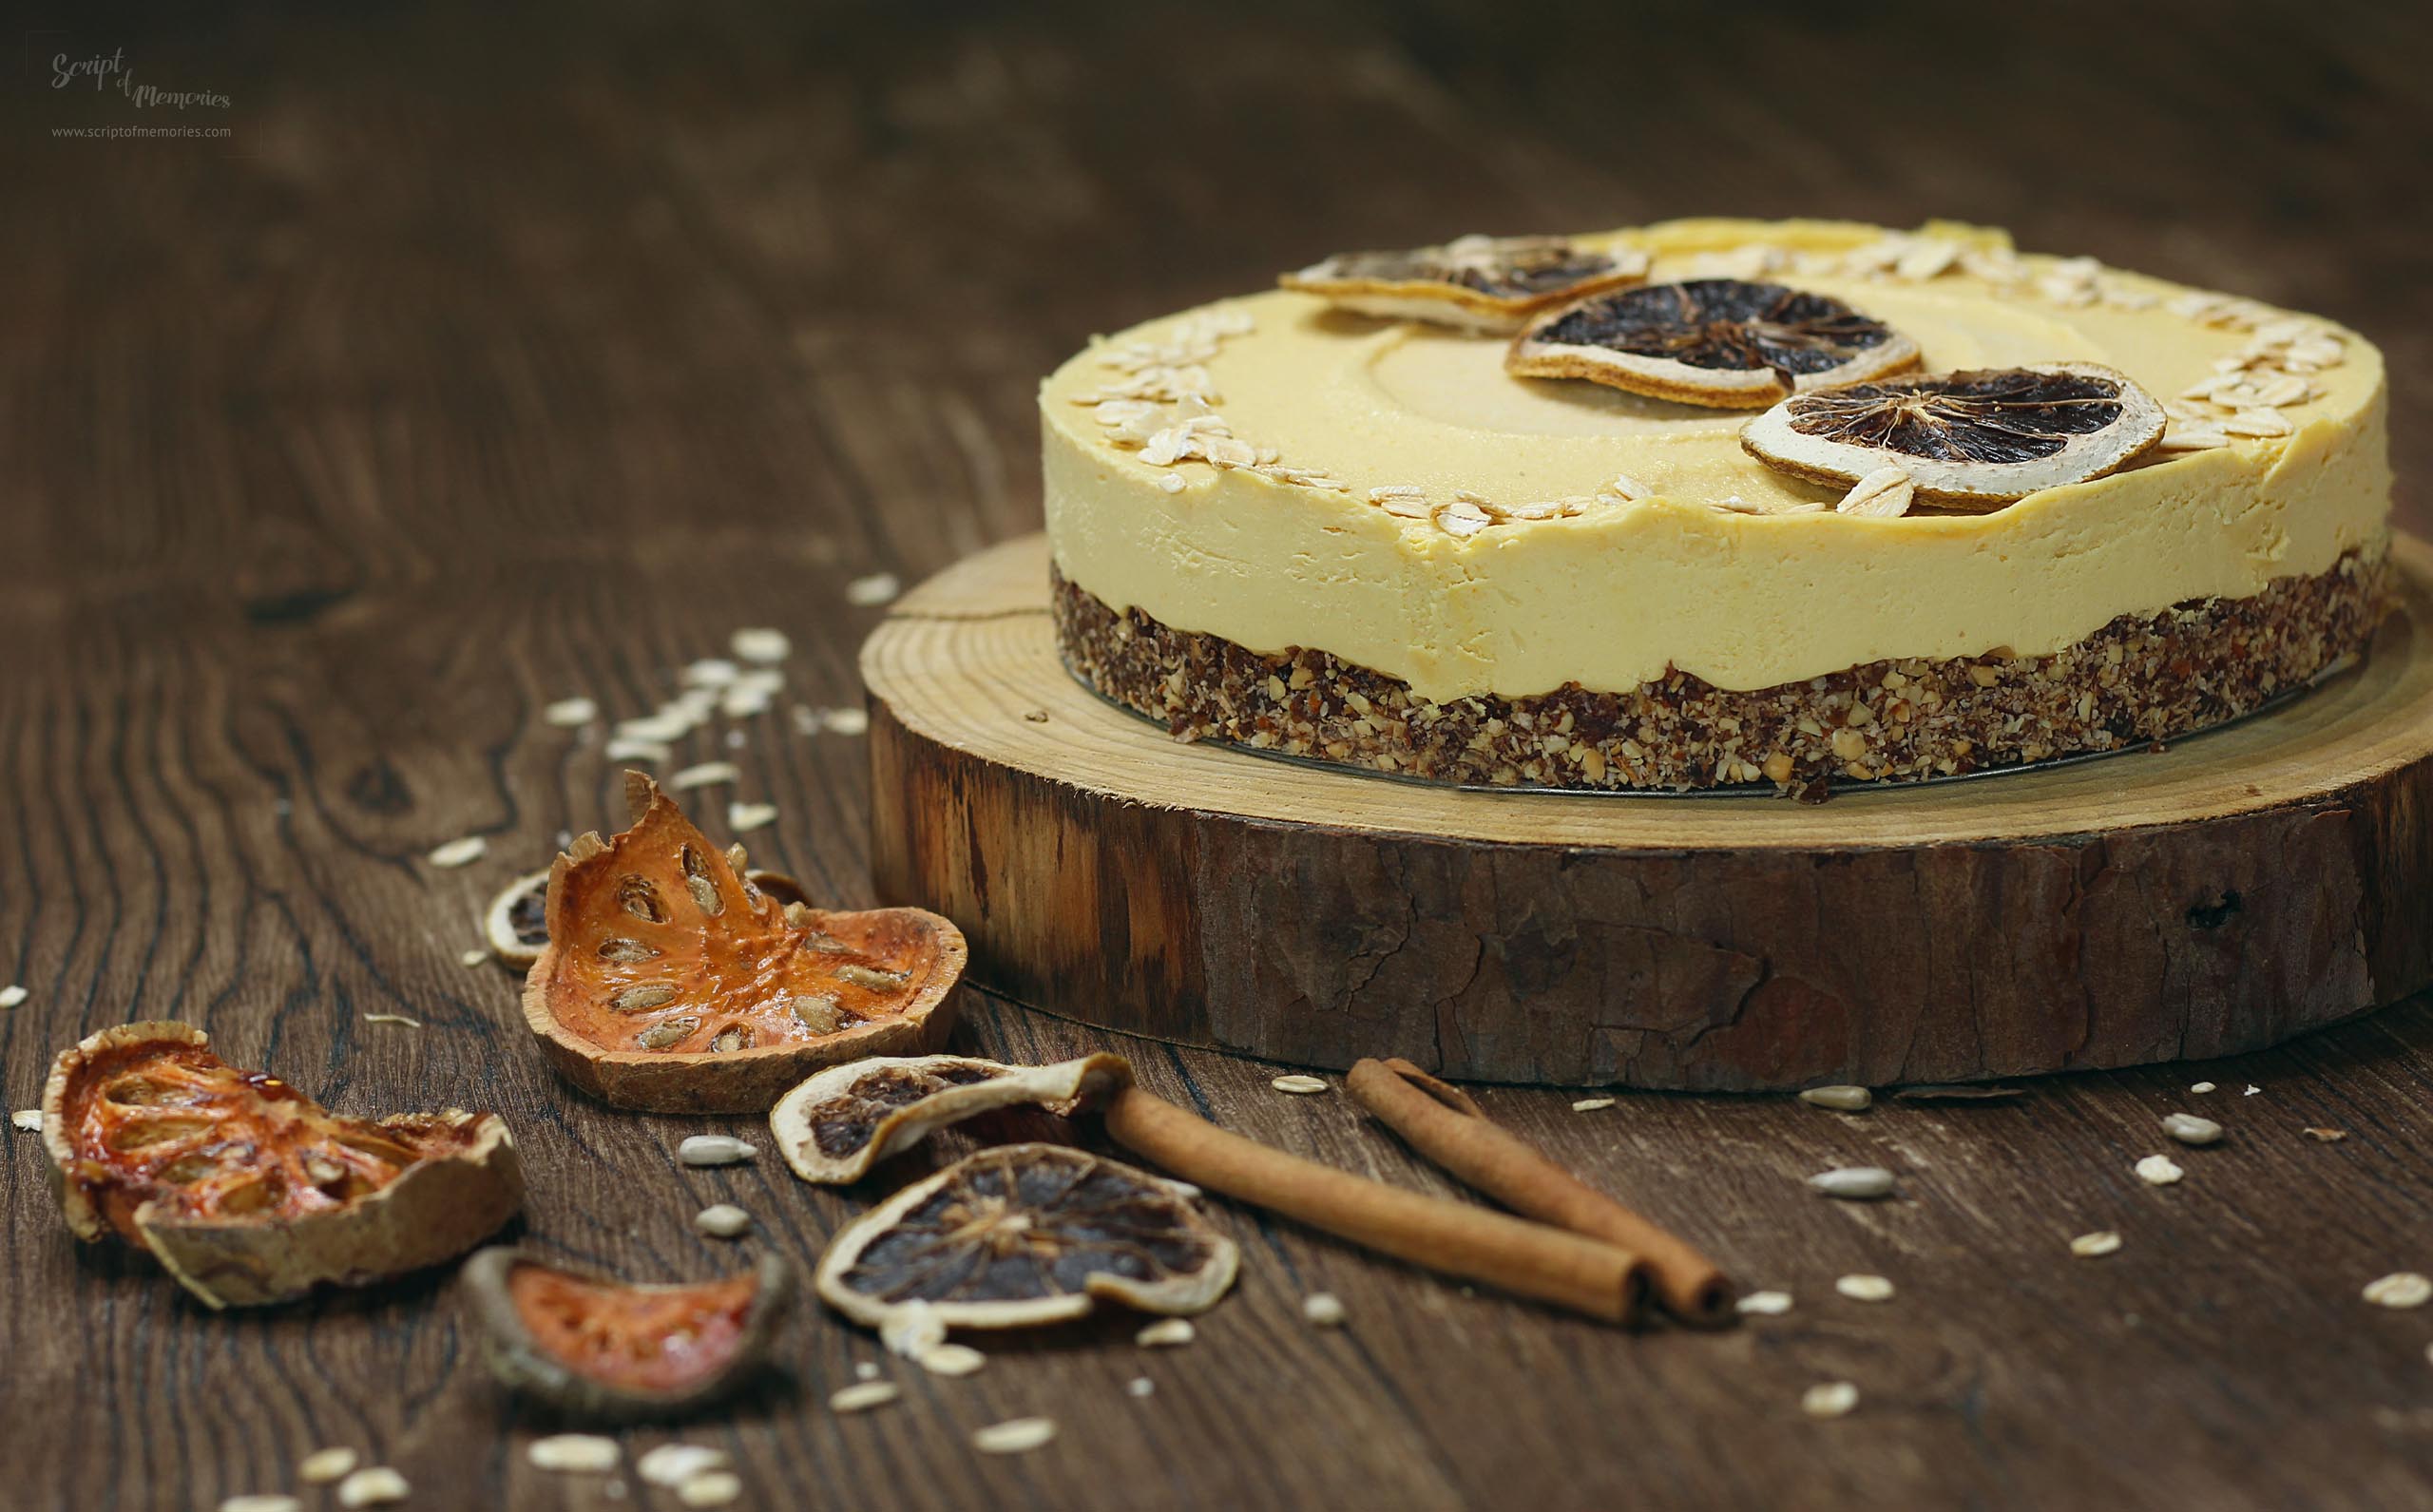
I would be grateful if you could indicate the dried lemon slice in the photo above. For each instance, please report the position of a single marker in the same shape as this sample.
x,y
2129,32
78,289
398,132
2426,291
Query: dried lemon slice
x,y
1719,342
517,921
670,984
600,1348
1480,283
847,1118
1972,440
247,1191
1027,1234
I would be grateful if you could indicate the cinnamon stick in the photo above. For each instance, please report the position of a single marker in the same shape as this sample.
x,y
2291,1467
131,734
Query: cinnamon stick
x,y
1527,1259
1444,1124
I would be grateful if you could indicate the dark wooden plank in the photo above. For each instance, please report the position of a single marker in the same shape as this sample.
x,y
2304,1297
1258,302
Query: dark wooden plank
x,y
495,358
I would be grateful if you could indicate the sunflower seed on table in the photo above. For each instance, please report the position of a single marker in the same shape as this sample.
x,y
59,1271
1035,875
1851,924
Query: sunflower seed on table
x,y
1864,1288
473,957
324,1466
952,1360
672,1465
761,644
1764,1304
1840,1099
1829,1399
2092,1246
722,1220
1166,1334
458,852
864,593
711,1488
702,775
1854,1183
745,817
1299,1085
2401,1289
11,995
579,1453
1592,1105
1325,1309
1014,1436
2159,1170
392,1017
2190,1129
714,1149
863,1395
2200,1087
377,1487
568,713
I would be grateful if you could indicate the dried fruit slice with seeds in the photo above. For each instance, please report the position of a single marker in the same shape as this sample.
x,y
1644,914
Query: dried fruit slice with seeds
x,y
1028,1234
670,984
517,922
1974,440
247,1191
1718,342
1480,283
600,1348
847,1118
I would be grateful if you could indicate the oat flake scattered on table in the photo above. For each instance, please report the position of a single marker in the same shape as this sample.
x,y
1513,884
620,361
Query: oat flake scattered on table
x,y
1166,1334
878,588
576,1453
1765,1304
864,1395
568,713
1829,1399
672,1465
473,957
324,1466
1325,1310
377,1487
711,1488
1864,1288
261,1501
11,995
2159,1170
702,776
2090,1246
745,817
761,644
2401,1289
1299,1085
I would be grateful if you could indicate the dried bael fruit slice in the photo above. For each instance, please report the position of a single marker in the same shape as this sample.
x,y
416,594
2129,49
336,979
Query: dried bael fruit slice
x,y
1027,1234
246,1190
600,1348
1480,283
518,920
671,984
1971,440
1718,342
838,1124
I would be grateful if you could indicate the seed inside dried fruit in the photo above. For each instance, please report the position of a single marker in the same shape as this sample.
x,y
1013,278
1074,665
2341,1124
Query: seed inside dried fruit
x,y
1972,440
1027,1234
1718,342
605,1348
847,1118
1480,283
247,1191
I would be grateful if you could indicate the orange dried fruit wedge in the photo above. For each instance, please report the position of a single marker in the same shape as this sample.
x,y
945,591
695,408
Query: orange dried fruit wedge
x,y
670,984
600,1348
247,1191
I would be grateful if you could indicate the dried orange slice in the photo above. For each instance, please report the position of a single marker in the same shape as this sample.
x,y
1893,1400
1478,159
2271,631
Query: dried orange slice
x,y
669,984
847,1118
1973,440
1719,342
1027,1234
1480,283
246,1190
594,1346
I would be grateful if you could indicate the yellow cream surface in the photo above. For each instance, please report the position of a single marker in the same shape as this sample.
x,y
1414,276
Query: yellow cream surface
x,y
1623,590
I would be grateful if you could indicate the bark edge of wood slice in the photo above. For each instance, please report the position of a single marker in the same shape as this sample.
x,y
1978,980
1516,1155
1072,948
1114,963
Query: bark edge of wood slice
x,y
2245,885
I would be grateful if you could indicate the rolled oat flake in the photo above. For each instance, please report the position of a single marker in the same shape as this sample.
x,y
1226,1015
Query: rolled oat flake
x,y
2190,1129
2401,1289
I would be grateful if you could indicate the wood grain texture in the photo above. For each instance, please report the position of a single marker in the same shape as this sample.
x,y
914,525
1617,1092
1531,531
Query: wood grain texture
x,y
501,356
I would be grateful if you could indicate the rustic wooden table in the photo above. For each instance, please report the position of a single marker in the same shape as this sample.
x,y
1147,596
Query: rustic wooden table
x,y
488,361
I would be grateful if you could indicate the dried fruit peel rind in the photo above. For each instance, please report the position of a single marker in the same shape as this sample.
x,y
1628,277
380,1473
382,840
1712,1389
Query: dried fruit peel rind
x,y
937,1099
520,1361
1739,323
977,1182
503,921
1457,283
742,964
466,1183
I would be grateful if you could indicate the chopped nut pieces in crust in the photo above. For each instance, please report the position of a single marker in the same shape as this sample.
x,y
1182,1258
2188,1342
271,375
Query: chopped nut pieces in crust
x,y
1976,440
1715,342
1023,1234
1479,283
2137,680
602,1348
247,1191
669,984
847,1118
517,921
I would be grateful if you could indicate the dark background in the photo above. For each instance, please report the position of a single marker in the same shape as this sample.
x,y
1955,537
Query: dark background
x,y
497,356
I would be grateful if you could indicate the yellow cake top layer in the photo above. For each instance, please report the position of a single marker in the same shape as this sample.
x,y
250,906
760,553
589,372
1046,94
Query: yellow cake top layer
x,y
1384,490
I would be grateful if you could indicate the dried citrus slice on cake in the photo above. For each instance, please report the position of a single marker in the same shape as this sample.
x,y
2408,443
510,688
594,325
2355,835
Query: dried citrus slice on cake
x,y
847,1118
246,1190
670,984
1481,284
1978,439
1719,342
1027,1234
600,1348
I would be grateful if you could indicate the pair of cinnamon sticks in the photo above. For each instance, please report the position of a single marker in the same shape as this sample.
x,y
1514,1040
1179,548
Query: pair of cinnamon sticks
x,y
1575,1246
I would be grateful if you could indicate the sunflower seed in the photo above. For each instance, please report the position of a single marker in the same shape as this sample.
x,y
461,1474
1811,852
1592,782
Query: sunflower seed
x,y
1856,1182
1864,1288
11,995
876,980
1883,494
1299,1085
845,721
1765,1304
629,748
2401,1289
568,713
644,998
722,1220
1828,1399
28,1120
745,817
762,646
952,1359
1592,1105
265,1502
377,1487
2201,1086
862,1396
1166,1334
669,1032
473,957
2190,1129
2159,1170
459,853
819,1013
703,775
672,1465
1014,1436
1325,1310
710,1488
584,1453
875,589
714,1149
1842,1098
2088,1246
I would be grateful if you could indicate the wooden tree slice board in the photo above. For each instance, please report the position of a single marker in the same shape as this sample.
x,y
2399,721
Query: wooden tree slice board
x,y
2245,885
